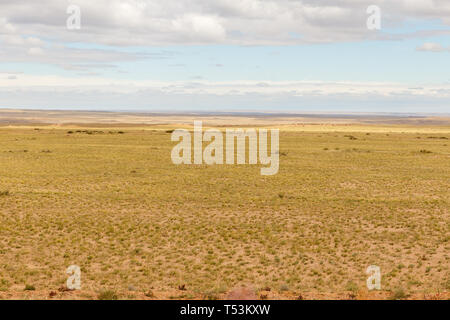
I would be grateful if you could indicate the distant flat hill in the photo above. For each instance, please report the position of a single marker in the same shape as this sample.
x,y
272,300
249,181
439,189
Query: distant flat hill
x,y
61,117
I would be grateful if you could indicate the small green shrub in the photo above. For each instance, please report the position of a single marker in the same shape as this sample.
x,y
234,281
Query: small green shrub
x,y
398,294
107,295
352,287
29,287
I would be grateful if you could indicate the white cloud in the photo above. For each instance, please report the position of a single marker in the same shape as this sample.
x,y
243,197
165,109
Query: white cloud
x,y
431,46
17,40
17,48
6,27
198,85
35,31
245,22
35,51
93,91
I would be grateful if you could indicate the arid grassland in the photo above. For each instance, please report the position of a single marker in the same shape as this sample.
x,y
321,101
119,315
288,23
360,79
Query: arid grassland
x,y
110,200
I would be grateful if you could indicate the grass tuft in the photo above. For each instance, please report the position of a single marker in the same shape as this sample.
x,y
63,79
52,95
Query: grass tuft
x,y
107,295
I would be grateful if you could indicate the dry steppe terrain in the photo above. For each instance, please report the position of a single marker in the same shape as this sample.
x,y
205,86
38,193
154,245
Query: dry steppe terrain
x,y
99,190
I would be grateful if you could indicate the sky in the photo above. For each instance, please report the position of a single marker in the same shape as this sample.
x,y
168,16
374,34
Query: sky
x,y
226,55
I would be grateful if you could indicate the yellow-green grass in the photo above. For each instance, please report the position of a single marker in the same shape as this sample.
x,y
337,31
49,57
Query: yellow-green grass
x,y
114,204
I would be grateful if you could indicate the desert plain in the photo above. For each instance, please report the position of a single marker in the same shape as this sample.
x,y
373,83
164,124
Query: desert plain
x,y
99,190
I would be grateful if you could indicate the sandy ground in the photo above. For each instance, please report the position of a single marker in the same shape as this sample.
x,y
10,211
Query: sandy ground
x,y
187,295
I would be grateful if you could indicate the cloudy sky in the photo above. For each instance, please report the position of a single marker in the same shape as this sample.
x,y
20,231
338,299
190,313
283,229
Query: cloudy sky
x,y
226,55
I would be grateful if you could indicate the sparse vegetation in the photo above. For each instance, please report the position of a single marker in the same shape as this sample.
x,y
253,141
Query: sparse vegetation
x,y
29,287
107,295
352,287
398,294
115,205
149,294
